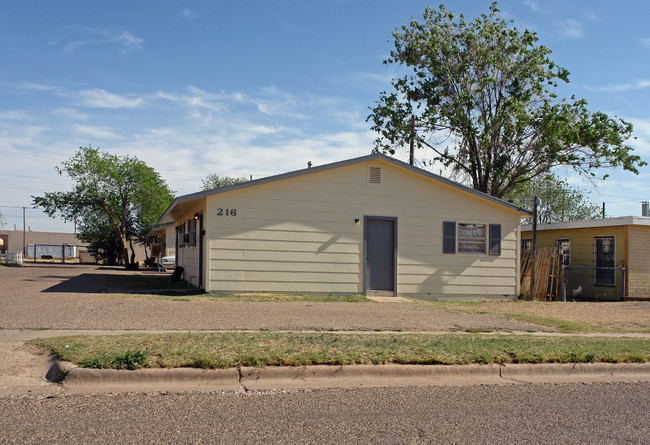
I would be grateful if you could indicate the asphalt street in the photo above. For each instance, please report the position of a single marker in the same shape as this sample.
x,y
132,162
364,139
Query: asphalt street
x,y
530,413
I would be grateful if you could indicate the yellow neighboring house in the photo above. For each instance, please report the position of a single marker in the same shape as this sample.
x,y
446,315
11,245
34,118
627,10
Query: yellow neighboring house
x,y
371,225
606,259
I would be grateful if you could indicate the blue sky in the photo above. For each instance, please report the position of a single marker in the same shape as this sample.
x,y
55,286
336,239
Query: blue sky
x,y
261,87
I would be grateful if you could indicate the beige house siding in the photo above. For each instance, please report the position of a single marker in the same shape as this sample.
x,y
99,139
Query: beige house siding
x,y
299,235
638,262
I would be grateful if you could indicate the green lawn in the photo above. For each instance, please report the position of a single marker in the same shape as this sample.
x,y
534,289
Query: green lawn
x,y
224,350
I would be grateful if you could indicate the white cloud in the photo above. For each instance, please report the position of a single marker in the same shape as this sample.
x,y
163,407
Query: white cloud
x,y
100,98
589,15
33,86
570,28
96,133
534,5
275,102
620,88
189,14
642,142
70,113
125,39
646,42
197,98
367,81
17,115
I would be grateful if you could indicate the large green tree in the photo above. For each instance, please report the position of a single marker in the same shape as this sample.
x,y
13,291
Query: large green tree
x,y
215,181
560,201
102,238
480,95
120,192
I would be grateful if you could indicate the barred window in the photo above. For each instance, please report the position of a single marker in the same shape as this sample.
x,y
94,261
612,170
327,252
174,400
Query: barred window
x,y
605,261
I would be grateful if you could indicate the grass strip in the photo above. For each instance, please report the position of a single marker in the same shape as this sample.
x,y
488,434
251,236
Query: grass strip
x,y
260,349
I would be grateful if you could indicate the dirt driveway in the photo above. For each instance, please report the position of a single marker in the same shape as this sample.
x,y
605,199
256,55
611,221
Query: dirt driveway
x,y
73,297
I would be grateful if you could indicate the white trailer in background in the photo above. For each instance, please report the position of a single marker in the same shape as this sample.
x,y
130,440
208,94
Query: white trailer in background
x,y
51,251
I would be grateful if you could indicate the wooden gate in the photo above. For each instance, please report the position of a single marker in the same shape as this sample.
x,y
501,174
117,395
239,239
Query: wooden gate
x,y
548,274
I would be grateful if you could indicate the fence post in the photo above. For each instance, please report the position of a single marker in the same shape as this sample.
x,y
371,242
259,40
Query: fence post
x,y
623,279
563,281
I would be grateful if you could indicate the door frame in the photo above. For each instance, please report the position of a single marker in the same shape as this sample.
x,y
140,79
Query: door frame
x,y
366,219
201,252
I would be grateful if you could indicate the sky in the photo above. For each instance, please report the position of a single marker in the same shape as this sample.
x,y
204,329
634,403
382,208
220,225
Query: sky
x,y
262,87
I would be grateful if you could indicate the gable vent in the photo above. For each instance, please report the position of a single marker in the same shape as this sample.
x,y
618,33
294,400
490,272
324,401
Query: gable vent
x,y
374,176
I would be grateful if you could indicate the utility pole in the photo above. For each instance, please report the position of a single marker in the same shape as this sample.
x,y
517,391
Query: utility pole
x,y
24,244
537,202
412,142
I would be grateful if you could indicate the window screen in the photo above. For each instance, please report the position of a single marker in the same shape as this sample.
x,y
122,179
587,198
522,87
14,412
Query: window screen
x,y
495,239
449,237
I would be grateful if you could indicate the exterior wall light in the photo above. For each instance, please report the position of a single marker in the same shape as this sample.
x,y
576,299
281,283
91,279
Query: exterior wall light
x,y
357,221
196,216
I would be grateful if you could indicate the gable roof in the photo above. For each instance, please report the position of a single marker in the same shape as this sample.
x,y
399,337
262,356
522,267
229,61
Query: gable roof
x,y
166,216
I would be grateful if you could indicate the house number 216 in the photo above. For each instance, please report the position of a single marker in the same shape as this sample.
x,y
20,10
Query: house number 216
x,y
226,212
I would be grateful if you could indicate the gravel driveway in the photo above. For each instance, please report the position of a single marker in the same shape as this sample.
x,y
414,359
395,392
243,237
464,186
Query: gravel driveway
x,y
57,296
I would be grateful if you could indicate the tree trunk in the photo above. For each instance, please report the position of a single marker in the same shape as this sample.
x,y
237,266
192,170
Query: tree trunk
x,y
132,253
125,251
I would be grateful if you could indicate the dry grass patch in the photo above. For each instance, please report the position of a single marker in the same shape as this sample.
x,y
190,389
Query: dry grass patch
x,y
624,316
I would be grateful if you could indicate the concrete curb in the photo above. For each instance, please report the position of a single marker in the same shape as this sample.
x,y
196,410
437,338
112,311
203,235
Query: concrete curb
x,y
355,375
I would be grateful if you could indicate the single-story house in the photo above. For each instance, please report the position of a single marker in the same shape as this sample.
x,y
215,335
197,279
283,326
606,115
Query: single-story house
x,y
371,225
606,259
163,240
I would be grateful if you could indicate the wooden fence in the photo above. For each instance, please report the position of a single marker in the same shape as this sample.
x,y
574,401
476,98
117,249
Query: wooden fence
x,y
548,274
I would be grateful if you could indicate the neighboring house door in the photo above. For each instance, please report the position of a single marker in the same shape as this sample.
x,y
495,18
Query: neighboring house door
x,y
381,255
